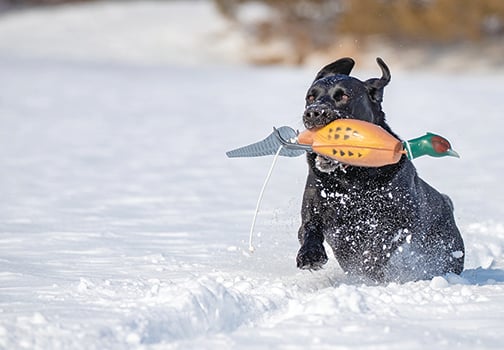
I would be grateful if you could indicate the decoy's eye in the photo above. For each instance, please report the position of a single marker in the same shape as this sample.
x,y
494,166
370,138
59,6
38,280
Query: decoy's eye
x,y
340,96
310,98
440,144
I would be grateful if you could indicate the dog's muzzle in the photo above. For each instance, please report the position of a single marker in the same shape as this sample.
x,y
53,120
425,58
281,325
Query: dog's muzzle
x,y
317,115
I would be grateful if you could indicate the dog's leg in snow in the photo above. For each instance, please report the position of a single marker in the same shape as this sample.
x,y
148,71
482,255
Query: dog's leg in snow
x,y
312,254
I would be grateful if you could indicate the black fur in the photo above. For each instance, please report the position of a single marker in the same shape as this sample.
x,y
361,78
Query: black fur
x,y
383,224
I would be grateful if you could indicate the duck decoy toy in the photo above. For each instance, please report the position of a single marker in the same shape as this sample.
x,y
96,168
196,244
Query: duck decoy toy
x,y
349,141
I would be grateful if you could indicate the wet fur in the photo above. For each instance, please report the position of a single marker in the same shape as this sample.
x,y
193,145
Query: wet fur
x,y
382,224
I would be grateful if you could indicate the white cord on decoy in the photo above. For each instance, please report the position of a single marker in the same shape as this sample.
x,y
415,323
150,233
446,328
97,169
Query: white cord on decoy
x,y
259,200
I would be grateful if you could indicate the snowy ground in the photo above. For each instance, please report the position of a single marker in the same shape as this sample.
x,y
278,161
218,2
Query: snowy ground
x,y
123,224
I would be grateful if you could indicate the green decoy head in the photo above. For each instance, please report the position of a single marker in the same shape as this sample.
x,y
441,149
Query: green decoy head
x,y
430,144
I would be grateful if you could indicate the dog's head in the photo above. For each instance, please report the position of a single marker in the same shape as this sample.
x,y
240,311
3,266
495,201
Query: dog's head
x,y
336,95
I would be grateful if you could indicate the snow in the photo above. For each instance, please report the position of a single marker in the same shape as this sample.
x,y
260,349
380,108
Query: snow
x,y
145,32
123,224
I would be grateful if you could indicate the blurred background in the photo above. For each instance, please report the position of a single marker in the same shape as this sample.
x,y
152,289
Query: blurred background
x,y
425,34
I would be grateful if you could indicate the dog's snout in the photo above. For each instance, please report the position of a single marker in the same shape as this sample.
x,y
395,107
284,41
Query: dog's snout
x,y
318,115
313,113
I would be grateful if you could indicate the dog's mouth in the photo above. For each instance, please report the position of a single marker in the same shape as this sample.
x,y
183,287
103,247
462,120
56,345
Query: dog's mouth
x,y
328,165
317,116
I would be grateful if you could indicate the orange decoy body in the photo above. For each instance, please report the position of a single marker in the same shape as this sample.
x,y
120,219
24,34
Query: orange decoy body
x,y
354,142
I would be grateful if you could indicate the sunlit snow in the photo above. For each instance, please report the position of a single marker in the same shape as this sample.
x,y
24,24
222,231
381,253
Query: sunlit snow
x,y
124,225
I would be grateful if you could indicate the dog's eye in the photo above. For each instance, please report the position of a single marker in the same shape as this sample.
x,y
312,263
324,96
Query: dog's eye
x,y
340,96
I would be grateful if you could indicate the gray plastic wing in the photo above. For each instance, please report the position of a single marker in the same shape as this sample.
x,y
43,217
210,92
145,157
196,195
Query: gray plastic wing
x,y
269,146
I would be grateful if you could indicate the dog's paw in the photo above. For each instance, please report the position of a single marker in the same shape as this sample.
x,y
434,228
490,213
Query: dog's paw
x,y
311,257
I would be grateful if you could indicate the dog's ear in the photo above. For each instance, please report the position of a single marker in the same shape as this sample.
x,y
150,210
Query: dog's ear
x,y
375,86
341,66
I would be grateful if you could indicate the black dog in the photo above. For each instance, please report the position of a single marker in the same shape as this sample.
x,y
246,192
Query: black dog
x,y
383,224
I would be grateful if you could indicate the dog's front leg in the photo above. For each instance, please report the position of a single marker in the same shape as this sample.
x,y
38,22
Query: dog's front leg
x,y
311,255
